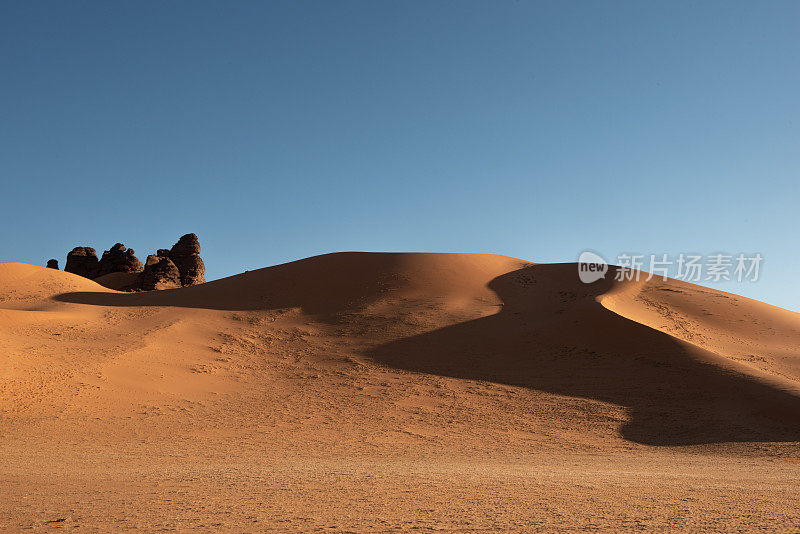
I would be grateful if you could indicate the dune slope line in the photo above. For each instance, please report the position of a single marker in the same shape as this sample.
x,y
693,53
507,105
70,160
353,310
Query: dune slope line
x,y
436,372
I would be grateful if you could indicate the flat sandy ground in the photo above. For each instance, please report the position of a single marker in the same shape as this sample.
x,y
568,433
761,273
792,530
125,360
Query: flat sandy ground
x,y
396,392
575,492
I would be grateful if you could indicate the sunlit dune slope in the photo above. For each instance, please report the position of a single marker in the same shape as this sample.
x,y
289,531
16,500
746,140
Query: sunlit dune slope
x,y
757,338
398,352
332,283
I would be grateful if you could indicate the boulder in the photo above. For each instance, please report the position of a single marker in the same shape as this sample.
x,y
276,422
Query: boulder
x,y
192,270
119,260
160,273
52,264
82,261
179,266
185,254
187,245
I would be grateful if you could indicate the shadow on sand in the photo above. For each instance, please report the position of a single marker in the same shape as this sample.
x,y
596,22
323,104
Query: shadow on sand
x,y
551,335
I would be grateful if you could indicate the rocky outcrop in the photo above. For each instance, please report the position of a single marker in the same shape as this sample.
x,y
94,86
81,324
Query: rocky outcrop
x,y
160,273
52,264
82,261
185,254
187,245
119,260
167,268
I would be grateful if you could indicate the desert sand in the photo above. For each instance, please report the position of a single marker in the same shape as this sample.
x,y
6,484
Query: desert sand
x,y
396,392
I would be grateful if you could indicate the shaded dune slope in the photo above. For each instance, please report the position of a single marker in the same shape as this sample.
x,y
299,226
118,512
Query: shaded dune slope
x,y
691,365
553,334
327,285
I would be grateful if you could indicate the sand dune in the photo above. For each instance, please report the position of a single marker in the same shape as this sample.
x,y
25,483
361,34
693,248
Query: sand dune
x,y
362,391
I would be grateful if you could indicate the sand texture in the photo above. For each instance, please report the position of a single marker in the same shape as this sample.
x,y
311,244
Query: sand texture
x,y
396,392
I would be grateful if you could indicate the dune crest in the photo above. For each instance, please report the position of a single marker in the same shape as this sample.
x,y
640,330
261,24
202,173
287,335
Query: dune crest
x,y
475,317
415,363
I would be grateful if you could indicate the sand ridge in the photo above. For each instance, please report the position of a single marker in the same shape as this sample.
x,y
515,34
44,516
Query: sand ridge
x,y
449,376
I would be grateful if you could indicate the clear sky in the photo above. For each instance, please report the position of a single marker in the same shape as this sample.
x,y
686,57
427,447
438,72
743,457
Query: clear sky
x,y
280,130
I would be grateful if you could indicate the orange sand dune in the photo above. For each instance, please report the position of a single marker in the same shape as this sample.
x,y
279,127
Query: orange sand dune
x,y
361,391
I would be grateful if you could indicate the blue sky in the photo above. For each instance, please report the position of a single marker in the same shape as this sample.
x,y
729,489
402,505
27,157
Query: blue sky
x,y
280,130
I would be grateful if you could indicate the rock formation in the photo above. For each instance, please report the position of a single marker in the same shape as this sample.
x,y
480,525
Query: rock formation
x,y
179,266
119,260
52,264
185,254
160,273
82,261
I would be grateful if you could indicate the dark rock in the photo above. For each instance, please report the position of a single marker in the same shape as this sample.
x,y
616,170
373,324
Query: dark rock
x,y
119,260
192,269
52,264
187,245
179,266
185,255
82,261
160,273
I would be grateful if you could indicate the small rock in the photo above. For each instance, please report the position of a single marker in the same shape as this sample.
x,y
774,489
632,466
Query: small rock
x,y
82,261
119,260
160,273
185,255
187,245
